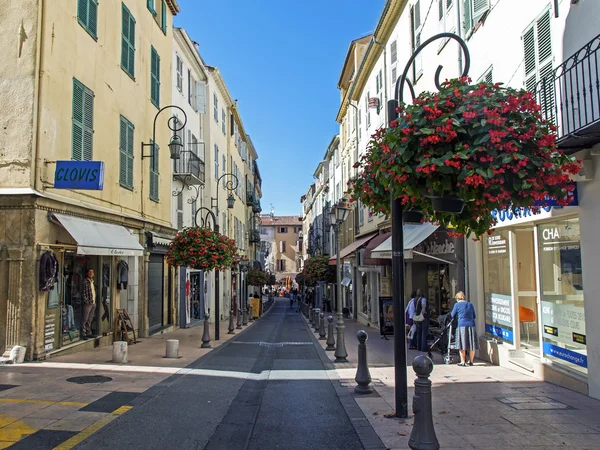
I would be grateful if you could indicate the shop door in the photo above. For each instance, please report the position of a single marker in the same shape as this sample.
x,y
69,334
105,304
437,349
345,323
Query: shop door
x,y
527,298
155,292
196,299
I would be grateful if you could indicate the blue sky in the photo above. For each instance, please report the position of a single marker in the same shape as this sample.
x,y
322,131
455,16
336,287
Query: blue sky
x,y
281,60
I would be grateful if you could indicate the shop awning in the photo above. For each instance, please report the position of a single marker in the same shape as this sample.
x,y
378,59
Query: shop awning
x,y
414,234
99,238
346,251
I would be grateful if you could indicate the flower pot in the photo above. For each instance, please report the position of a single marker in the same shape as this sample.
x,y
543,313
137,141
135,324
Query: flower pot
x,y
412,216
447,204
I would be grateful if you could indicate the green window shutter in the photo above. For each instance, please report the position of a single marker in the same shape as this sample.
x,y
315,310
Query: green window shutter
x,y
88,124
468,25
154,77
154,173
92,23
126,153
164,17
128,42
77,138
150,5
480,8
82,12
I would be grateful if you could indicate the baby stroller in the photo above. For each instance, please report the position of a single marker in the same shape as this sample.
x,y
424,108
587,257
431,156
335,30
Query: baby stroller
x,y
446,342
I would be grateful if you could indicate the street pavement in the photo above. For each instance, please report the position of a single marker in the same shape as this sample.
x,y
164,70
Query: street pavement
x,y
272,386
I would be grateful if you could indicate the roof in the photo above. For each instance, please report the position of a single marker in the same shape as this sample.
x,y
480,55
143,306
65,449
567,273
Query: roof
x,y
174,7
350,55
267,221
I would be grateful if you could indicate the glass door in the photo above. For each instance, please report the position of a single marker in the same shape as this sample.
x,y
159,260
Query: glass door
x,y
527,298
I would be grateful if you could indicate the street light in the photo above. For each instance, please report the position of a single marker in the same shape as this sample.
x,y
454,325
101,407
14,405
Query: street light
x,y
244,267
338,215
175,145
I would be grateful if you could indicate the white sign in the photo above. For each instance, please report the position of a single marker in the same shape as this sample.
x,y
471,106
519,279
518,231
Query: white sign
x,y
564,322
499,311
497,245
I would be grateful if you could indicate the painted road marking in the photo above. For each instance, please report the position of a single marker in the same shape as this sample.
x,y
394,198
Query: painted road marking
x,y
41,402
83,435
13,430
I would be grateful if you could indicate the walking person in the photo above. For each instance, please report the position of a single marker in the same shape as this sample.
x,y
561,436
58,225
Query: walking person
x,y
421,317
89,304
410,314
466,334
291,299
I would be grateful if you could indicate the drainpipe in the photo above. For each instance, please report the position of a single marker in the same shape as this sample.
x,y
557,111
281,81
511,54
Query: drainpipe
x,y
459,34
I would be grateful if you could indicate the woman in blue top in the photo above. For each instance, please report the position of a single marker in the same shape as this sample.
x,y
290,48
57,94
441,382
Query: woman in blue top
x,y
466,335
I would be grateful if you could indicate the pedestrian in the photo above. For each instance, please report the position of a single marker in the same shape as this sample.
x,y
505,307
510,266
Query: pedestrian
x,y
291,299
412,327
466,334
421,317
89,304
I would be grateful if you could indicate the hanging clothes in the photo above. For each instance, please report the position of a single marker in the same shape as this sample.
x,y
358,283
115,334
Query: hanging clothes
x,y
122,275
48,271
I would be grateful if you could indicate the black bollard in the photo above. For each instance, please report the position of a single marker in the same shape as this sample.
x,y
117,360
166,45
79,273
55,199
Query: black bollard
x,y
231,325
245,316
206,333
363,376
239,320
330,337
321,327
311,316
423,435
316,323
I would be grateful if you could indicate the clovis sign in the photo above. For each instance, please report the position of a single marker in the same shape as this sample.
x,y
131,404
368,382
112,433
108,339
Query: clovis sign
x,y
87,175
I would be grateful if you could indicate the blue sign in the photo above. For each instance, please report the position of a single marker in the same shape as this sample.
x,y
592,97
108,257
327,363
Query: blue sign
x,y
500,332
571,196
79,175
565,354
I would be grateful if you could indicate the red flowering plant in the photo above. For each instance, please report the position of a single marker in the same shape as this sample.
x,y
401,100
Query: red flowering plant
x,y
317,268
203,249
257,277
484,144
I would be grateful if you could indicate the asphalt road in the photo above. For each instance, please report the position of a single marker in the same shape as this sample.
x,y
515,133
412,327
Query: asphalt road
x,y
287,401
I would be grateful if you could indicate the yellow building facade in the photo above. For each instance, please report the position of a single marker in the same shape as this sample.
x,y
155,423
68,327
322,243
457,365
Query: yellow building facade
x,y
83,81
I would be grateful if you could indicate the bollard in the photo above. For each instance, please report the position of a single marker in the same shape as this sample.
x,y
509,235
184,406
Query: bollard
x,y
239,320
251,316
172,348
423,435
245,316
119,353
321,327
316,324
231,325
363,376
330,337
206,334
311,312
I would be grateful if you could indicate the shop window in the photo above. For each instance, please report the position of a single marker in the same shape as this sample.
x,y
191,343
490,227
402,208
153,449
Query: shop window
x,y
497,287
563,316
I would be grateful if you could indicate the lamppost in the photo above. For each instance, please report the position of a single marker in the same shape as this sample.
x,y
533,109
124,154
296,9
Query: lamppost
x,y
401,386
244,267
338,215
175,145
214,203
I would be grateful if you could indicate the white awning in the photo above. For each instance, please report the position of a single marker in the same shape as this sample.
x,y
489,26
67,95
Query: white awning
x,y
414,234
99,238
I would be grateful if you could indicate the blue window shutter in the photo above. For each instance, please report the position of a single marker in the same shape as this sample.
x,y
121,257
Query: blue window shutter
x,y
93,18
128,42
82,11
164,17
77,138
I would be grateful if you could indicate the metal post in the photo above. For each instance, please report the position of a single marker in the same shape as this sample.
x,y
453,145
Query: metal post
x,y
330,339
231,325
400,378
423,435
239,318
206,333
363,376
316,324
217,305
341,355
321,327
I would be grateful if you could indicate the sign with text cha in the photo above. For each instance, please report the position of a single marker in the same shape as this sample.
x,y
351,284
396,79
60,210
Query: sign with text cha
x,y
87,175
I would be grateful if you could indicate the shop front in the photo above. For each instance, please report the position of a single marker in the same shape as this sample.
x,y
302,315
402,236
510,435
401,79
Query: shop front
x,y
534,293
160,284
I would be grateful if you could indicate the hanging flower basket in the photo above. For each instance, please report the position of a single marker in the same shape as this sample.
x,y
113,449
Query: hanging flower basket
x,y
202,249
476,148
412,216
257,277
317,268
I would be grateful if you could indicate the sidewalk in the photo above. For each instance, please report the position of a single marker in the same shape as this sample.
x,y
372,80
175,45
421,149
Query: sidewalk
x,y
483,406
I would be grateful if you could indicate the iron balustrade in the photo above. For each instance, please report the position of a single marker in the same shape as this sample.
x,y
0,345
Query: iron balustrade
x,y
570,97
190,164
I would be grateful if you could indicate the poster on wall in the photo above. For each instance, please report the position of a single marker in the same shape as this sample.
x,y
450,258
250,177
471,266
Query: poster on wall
x,y
498,316
564,332
386,316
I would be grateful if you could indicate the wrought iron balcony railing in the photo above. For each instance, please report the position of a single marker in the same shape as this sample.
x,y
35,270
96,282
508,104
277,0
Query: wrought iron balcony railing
x,y
190,167
250,198
256,208
254,236
570,98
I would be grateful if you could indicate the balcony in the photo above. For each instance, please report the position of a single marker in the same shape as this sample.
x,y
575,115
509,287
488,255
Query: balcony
x,y
256,208
570,98
189,168
254,237
250,198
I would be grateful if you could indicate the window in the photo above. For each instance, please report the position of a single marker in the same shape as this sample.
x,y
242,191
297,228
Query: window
x,y
179,63
224,226
283,246
154,164
128,42
361,214
190,82
394,52
223,121
179,212
216,107
83,122
416,29
475,11
216,161
263,230
194,209
154,77
445,16
201,99
487,77
126,153
359,122
224,164
537,49
163,17
150,5
87,16
283,229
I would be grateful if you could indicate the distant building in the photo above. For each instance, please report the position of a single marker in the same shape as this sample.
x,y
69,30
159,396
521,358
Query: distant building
x,y
285,245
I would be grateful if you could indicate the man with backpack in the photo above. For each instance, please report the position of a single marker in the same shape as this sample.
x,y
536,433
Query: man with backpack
x,y
421,318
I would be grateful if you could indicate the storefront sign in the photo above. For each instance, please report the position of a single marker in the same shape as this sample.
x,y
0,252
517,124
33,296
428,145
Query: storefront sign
x,y
513,215
497,245
565,354
499,317
571,196
87,175
431,247
564,323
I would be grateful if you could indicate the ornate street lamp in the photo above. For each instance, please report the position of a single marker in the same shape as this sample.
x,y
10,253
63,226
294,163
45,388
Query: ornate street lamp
x,y
175,145
244,267
337,216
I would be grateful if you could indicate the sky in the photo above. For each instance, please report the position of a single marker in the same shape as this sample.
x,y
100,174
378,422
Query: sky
x,y
281,60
